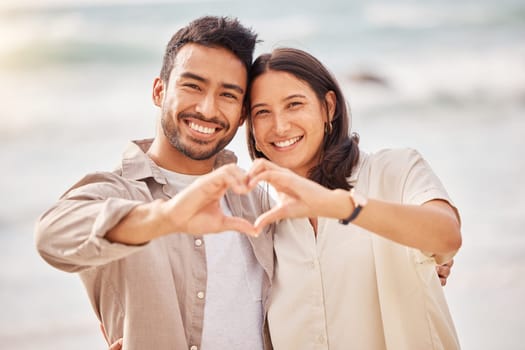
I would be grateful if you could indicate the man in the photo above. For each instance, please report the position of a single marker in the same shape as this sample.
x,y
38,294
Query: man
x,y
137,235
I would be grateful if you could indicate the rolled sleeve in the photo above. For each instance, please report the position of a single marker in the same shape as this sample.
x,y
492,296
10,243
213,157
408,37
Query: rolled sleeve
x,y
70,235
422,185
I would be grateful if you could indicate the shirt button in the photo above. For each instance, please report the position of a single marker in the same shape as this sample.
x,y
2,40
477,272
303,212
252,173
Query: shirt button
x,y
200,295
198,242
193,347
312,265
321,339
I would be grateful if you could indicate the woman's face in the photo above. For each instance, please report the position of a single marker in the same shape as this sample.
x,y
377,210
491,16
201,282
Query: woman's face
x,y
288,120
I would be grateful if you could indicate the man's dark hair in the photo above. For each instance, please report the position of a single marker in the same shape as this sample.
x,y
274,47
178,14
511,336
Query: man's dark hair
x,y
211,31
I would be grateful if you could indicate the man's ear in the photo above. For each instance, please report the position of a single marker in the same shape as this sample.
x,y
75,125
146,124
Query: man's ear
x,y
158,92
331,101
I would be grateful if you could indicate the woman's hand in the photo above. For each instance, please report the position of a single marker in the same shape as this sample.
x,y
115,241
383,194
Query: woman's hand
x,y
297,196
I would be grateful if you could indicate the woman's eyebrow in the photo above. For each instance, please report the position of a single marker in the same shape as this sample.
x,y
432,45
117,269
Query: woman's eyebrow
x,y
293,96
262,104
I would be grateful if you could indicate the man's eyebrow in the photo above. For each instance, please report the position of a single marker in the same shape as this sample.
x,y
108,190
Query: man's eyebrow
x,y
194,76
233,87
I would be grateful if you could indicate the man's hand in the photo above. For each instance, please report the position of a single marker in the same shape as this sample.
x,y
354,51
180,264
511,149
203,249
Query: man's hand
x,y
197,210
443,271
194,210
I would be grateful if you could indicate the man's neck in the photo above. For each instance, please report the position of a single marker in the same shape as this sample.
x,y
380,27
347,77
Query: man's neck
x,y
168,157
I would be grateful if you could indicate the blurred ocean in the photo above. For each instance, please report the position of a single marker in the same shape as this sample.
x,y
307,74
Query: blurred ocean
x,y
445,77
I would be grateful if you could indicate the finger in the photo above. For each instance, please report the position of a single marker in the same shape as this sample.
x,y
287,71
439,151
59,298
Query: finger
x,y
116,345
272,215
233,223
443,281
231,176
281,181
213,186
261,165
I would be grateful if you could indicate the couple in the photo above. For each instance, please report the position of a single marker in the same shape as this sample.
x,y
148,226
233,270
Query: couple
x,y
141,239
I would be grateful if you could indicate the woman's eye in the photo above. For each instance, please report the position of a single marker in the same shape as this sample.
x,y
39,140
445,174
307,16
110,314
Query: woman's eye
x,y
260,112
294,104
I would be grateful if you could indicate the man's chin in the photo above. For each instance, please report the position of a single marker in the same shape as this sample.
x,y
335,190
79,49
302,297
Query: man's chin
x,y
196,149
203,154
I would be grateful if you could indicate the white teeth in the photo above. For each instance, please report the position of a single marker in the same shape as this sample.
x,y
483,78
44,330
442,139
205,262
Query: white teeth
x,y
201,128
287,142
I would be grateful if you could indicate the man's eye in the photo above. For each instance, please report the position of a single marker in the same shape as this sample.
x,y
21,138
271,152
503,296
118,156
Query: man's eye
x,y
192,86
230,95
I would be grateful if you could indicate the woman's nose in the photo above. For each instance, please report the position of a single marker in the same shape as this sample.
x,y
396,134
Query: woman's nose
x,y
281,124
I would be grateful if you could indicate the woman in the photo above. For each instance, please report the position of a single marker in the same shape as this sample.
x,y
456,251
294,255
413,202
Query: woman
x,y
370,284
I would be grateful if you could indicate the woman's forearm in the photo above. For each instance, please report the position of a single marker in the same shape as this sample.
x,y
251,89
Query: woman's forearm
x,y
432,227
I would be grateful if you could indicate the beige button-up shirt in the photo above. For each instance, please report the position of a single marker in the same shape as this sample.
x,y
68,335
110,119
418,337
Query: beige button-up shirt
x,y
348,288
152,295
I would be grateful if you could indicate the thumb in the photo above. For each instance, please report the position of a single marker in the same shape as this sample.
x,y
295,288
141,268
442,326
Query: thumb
x,y
272,215
233,223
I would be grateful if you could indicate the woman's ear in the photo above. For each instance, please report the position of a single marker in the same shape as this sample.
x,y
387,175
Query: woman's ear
x,y
331,101
158,92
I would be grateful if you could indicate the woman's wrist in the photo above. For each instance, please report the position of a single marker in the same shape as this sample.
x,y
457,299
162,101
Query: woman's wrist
x,y
344,204
358,201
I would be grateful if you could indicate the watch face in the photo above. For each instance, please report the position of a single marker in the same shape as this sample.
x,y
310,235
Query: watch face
x,y
359,199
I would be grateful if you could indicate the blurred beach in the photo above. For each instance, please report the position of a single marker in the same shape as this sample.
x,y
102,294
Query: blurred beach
x,y
444,77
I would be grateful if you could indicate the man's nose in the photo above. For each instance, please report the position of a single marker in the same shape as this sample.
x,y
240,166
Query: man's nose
x,y
207,106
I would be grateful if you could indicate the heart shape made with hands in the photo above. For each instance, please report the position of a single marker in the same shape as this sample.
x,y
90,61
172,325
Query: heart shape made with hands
x,y
296,197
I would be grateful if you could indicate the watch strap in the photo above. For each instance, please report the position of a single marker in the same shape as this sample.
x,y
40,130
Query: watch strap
x,y
357,209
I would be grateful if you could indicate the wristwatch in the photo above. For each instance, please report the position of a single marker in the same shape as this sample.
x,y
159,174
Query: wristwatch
x,y
359,202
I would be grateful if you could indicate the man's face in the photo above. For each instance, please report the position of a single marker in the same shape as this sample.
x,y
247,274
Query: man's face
x,y
202,103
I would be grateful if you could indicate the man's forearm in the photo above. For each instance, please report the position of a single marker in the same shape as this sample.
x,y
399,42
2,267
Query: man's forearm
x,y
142,224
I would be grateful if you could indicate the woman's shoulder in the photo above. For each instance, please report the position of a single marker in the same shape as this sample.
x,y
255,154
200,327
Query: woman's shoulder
x,y
394,155
397,158
395,162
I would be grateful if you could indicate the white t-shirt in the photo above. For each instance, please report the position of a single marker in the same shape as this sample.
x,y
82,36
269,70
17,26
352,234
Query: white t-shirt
x,y
233,311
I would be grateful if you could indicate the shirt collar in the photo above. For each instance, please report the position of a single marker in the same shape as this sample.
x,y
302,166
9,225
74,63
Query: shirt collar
x,y
137,165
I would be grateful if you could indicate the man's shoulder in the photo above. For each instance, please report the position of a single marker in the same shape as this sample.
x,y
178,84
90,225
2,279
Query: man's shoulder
x,y
104,184
225,157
